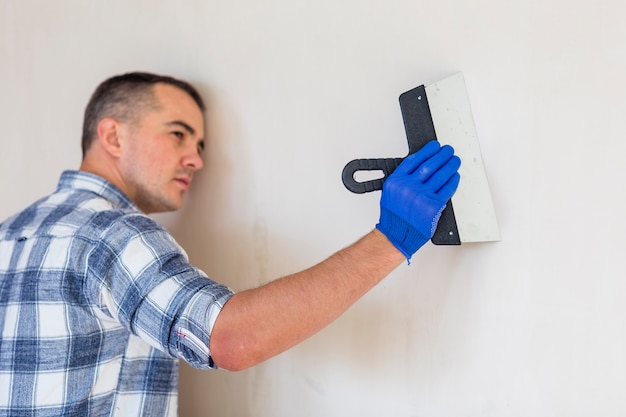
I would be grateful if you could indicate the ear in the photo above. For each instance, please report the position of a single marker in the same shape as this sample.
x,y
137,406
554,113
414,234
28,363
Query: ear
x,y
110,133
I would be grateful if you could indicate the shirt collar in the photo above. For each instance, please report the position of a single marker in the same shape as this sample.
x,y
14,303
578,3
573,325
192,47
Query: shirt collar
x,y
81,180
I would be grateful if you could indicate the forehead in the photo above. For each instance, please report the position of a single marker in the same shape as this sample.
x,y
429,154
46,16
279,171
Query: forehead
x,y
175,104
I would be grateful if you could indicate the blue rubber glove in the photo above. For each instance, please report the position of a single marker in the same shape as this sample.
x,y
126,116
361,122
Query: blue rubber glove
x,y
415,194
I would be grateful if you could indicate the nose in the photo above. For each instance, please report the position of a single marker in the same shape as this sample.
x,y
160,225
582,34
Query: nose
x,y
193,161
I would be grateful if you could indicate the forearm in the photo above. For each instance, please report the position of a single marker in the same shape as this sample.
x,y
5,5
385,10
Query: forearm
x,y
257,324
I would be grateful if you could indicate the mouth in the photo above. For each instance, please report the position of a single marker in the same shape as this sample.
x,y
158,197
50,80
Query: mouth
x,y
184,182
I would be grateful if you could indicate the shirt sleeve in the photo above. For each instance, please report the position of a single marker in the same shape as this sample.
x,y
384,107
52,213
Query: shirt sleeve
x,y
141,277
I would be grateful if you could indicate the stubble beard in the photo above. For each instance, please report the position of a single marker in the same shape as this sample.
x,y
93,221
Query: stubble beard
x,y
155,201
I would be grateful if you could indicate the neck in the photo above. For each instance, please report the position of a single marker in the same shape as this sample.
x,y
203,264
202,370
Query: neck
x,y
105,169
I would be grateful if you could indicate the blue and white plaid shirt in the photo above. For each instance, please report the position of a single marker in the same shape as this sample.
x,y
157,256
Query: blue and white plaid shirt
x,y
97,303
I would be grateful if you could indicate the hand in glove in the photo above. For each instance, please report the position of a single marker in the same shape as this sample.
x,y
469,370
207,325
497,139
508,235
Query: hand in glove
x,y
415,194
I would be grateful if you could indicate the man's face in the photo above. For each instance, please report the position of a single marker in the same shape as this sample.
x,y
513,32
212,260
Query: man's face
x,y
162,151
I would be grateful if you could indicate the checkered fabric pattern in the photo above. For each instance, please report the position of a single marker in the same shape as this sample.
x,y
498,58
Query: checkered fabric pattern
x,y
97,304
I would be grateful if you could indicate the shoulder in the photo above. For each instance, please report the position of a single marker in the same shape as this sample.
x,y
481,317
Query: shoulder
x,y
135,242
118,228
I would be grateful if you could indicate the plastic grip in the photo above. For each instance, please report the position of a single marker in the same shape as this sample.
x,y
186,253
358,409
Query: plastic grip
x,y
386,165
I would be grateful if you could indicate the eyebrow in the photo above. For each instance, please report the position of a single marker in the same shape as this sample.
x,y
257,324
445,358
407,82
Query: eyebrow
x,y
184,125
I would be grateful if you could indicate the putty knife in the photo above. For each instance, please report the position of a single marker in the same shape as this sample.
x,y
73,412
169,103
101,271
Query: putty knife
x,y
441,111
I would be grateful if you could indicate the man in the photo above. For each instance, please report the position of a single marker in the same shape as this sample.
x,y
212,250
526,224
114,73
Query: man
x,y
98,302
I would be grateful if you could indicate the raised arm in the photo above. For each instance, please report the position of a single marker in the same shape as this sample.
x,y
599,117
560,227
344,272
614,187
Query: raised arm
x,y
257,324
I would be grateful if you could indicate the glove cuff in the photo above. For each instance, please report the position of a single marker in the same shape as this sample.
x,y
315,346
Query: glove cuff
x,y
406,238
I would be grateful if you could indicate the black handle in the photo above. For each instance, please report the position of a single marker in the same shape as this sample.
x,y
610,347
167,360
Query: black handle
x,y
419,129
386,165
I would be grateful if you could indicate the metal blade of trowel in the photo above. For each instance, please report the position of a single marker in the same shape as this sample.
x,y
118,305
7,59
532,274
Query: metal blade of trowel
x,y
451,113
442,111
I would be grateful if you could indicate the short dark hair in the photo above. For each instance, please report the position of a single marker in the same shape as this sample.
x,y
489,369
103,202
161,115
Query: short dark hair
x,y
124,97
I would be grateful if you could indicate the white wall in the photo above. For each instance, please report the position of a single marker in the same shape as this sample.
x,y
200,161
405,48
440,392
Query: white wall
x,y
530,326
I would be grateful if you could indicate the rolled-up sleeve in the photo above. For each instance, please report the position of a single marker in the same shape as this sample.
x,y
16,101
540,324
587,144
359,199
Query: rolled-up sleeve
x,y
142,278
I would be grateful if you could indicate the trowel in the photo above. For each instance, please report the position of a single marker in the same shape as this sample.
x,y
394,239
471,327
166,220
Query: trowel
x,y
441,111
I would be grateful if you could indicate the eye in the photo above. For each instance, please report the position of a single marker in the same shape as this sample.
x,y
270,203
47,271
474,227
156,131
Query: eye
x,y
179,135
200,146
